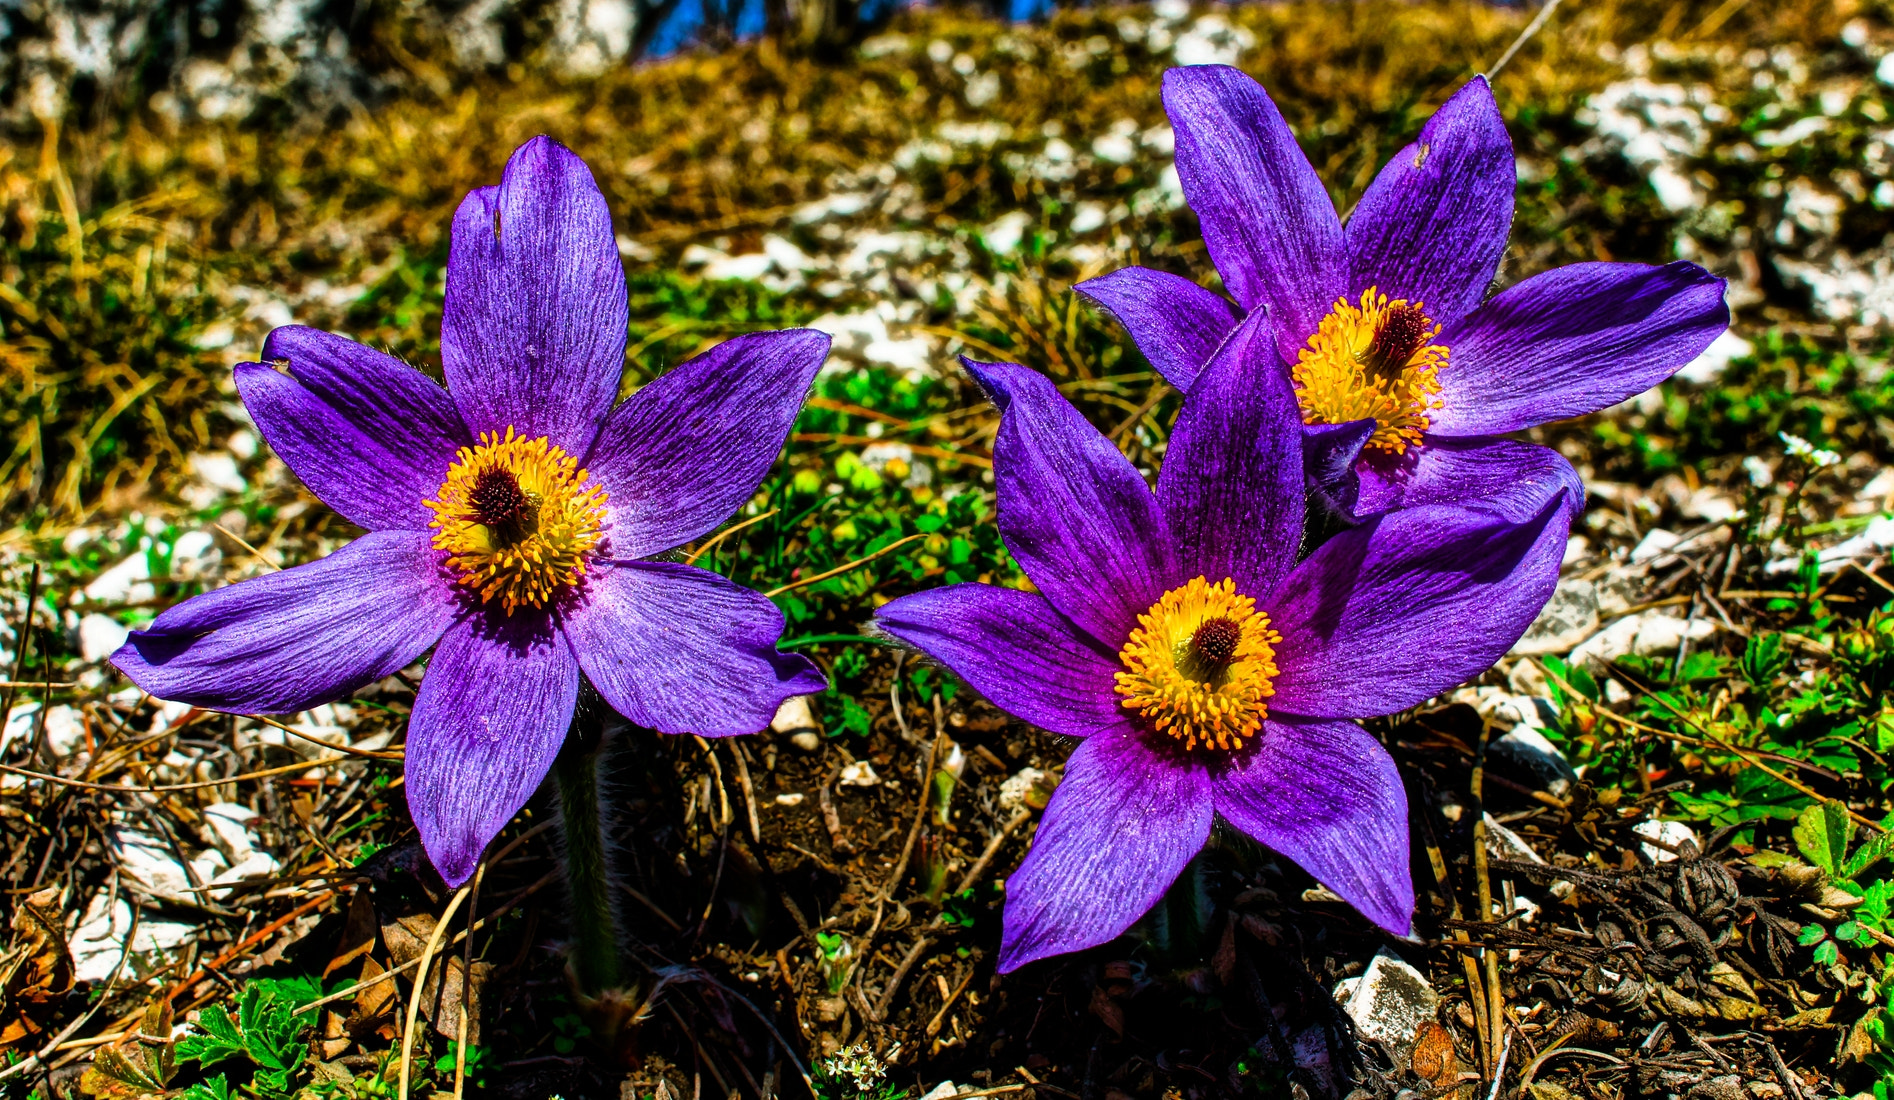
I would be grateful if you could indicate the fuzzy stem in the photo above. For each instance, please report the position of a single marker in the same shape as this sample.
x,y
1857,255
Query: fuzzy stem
x,y
594,916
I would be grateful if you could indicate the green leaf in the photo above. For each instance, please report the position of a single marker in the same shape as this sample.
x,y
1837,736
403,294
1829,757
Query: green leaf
x,y
1826,953
221,1039
215,1088
1877,848
1812,933
1822,833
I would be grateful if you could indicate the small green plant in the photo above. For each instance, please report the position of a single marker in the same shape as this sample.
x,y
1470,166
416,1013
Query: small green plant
x,y
266,1032
1823,834
571,1030
838,959
480,1062
855,1073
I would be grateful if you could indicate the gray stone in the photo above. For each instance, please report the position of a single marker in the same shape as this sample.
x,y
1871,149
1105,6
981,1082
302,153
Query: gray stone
x,y
1389,1003
1569,618
1527,751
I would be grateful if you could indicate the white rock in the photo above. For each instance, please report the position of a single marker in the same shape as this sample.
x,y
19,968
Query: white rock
x,y
1004,233
217,469
807,741
786,256
147,860
65,728
1674,833
748,267
1647,634
793,798
99,940
1503,843
859,774
1879,487
1710,504
100,636
1087,216
1655,543
1390,1002
1114,148
795,715
1569,617
227,826
125,582
1715,359
946,1090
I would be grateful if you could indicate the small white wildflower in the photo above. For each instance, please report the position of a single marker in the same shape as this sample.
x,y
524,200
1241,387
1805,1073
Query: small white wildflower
x,y
1818,457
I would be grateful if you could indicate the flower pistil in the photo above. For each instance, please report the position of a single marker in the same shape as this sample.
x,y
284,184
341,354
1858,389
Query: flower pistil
x,y
1200,666
1375,360
517,519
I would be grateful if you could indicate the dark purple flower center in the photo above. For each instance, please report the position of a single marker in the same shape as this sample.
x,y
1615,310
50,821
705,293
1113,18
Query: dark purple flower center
x,y
498,501
1402,331
1216,640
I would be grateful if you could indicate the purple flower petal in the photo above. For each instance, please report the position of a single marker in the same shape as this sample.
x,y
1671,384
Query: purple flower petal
x,y
1511,480
1329,452
682,650
1327,795
1080,519
1175,323
368,434
1572,341
292,640
1015,649
1269,225
1432,226
533,331
1232,481
492,713
1413,603
1121,825
683,453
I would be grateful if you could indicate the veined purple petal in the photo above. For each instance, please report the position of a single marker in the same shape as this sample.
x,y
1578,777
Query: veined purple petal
x,y
492,713
1572,341
1432,226
1329,453
1327,795
1232,481
683,650
1175,323
533,330
1082,522
292,640
1121,825
1512,480
1015,649
683,453
370,435
1268,224
1408,605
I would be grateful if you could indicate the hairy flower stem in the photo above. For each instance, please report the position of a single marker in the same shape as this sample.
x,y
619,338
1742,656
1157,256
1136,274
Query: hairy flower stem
x,y
594,951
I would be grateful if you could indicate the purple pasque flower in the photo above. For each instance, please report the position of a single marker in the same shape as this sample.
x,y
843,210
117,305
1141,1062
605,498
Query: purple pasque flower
x,y
507,517
1384,323
1207,672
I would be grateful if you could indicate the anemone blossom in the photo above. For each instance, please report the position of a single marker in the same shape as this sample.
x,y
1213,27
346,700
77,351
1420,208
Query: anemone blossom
x,y
1207,672
507,516
1403,369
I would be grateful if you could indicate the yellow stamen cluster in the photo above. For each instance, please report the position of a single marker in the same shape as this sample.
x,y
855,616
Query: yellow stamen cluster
x,y
517,519
1373,360
1201,665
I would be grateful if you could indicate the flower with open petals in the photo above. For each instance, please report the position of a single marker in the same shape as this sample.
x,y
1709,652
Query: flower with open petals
x,y
1208,673
1402,368
507,515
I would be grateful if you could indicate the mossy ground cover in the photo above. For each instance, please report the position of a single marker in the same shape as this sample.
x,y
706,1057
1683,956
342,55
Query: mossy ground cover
x,y
825,900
